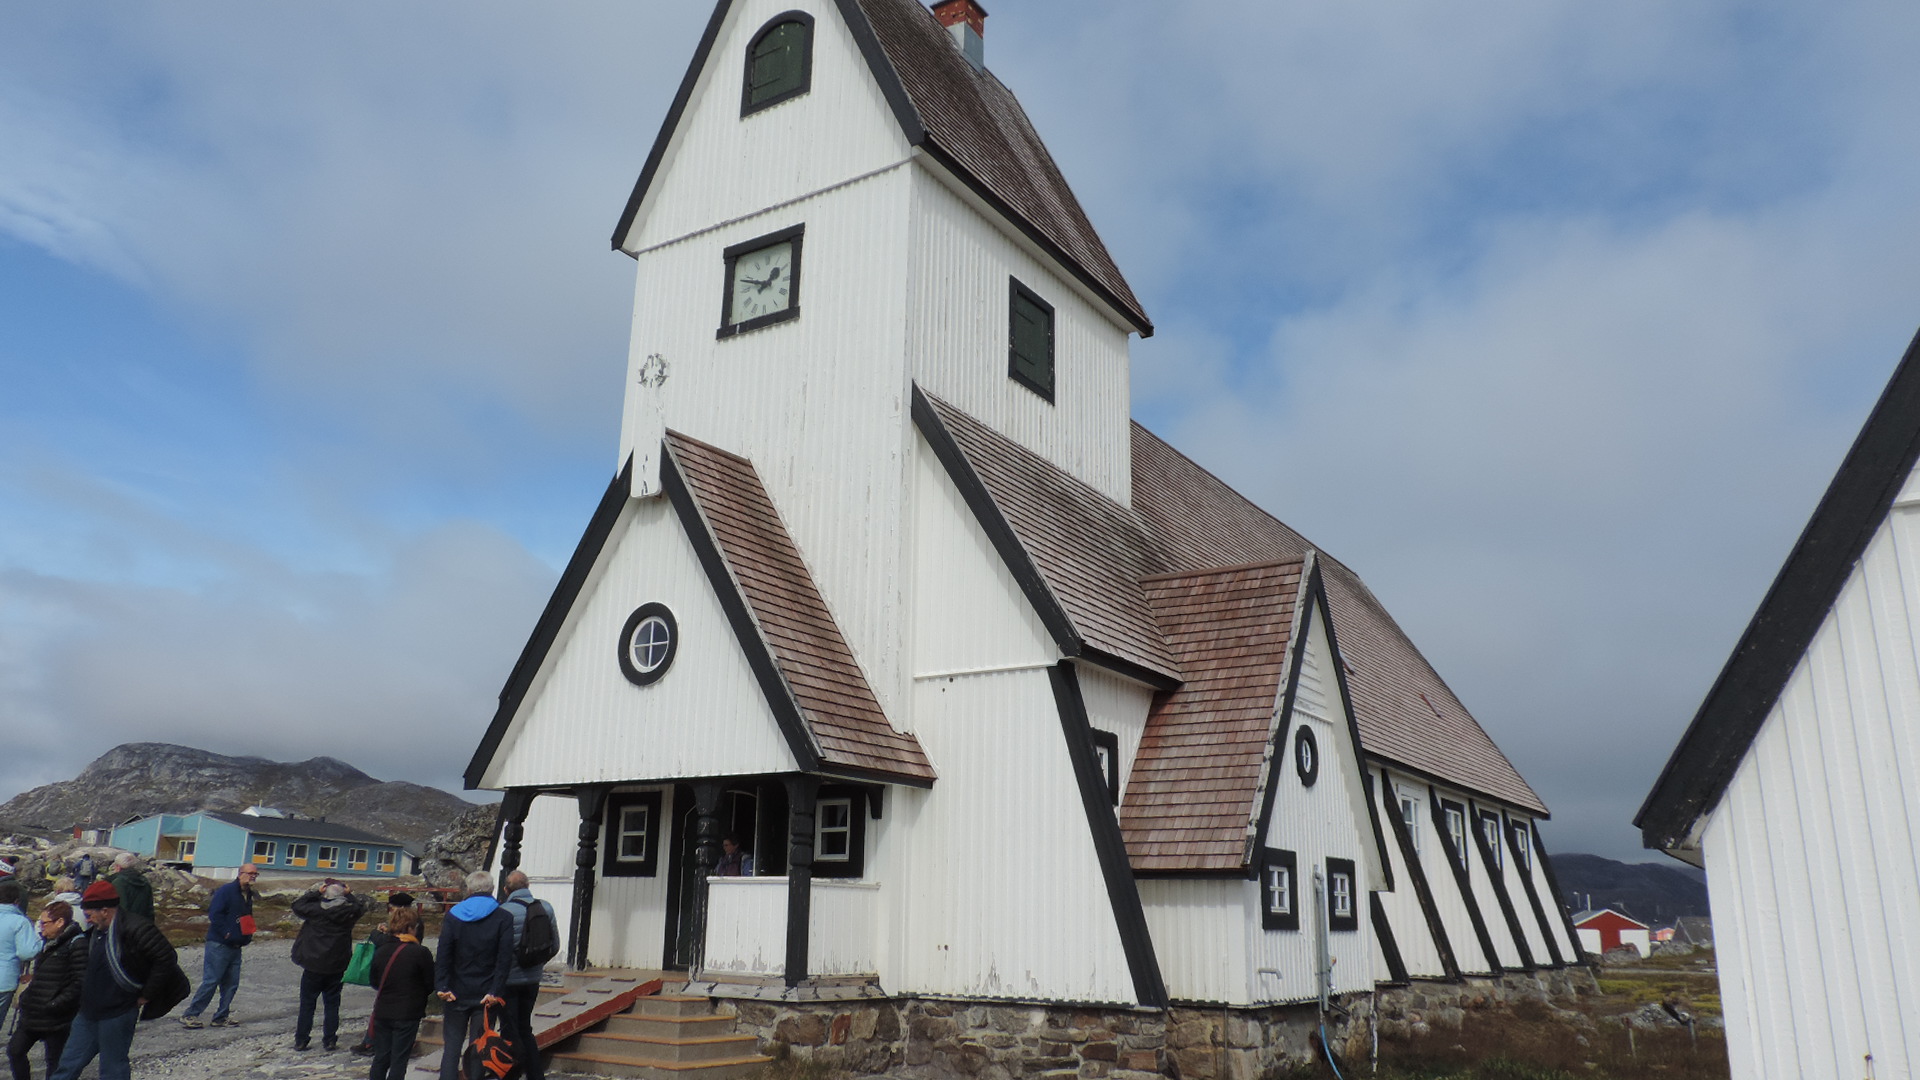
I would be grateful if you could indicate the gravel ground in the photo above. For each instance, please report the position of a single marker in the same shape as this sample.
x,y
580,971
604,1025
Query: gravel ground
x,y
261,1048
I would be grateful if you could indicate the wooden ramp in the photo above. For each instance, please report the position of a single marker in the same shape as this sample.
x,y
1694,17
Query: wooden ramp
x,y
627,1023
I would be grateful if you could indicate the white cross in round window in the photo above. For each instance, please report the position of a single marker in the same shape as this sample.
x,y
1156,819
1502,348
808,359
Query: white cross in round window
x,y
648,643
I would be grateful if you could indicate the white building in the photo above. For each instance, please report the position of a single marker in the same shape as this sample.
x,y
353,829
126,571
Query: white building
x,y
1008,698
1797,786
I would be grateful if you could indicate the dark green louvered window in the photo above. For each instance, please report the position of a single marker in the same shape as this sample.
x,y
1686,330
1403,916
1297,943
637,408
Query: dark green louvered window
x,y
1030,341
779,62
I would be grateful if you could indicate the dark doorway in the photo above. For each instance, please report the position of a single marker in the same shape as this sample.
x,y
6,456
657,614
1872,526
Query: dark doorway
x,y
677,954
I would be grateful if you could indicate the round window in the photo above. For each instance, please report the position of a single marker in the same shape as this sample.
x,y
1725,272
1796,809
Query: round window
x,y
1306,756
648,643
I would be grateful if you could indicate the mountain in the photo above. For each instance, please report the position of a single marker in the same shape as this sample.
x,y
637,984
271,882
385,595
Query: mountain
x,y
1654,893
136,779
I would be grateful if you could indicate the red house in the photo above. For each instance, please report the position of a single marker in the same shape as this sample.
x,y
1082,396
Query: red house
x,y
1604,930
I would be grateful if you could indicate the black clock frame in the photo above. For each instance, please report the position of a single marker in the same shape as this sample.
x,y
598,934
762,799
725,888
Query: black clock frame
x,y
728,328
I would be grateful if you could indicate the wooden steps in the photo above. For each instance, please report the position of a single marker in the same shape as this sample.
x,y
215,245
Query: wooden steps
x,y
620,1024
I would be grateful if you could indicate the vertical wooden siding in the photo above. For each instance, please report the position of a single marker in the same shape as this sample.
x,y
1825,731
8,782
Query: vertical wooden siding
x,y
747,925
1118,705
1201,929
706,716
957,343
1404,911
1811,854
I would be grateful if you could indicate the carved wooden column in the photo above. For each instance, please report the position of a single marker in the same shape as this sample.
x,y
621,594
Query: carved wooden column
x,y
513,817
706,856
586,863
802,793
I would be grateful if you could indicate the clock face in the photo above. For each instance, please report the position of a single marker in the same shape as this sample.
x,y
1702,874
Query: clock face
x,y
763,283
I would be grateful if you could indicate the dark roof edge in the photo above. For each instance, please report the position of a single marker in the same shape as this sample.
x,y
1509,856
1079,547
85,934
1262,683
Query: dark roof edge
x,y
1428,776
680,98
547,630
1795,606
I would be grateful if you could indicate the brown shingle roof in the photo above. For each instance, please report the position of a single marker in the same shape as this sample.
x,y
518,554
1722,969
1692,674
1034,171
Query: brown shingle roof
x,y
1405,711
975,124
1195,781
812,657
1091,552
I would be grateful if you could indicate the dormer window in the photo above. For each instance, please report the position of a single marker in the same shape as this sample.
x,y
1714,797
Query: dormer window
x,y
1030,340
779,62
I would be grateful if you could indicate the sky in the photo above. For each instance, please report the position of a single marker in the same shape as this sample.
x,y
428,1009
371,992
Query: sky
x,y
1552,320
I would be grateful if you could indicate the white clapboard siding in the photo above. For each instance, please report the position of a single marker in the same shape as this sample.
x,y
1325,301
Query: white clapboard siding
x,y
1405,913
1201,929
819,403
1007,896
969,613
1517,878
1325,820
957,342
1550,901
1506,951
1448,900
846,920
1118,705
1811,854
722,165
747,925
583,722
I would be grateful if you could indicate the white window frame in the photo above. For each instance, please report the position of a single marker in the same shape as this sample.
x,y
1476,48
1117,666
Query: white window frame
x,y
388,862
1490,829
187,848
322,862
264,858
1523,847
1410,816
297,854
821,829
622,833
1456,819
1279,891
650,645
357,859
1340,888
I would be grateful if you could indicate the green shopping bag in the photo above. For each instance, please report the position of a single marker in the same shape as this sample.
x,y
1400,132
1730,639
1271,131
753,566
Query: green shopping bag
x,y
360,968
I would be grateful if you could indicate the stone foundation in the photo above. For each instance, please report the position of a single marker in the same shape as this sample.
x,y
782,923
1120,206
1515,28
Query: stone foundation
x,y
926,1039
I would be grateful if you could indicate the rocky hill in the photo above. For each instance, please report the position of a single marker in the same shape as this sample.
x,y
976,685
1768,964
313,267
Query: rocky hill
x,y
1654,893
148,778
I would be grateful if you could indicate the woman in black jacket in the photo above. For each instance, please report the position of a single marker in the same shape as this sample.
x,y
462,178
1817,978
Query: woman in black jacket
x,y
49,1002
403,977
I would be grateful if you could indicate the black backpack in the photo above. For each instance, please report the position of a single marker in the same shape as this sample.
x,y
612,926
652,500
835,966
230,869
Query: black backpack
x,y
538,942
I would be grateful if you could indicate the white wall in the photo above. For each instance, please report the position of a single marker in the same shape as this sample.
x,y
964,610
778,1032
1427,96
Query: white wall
x,y
1405,914
1201,929
1811,855
583,722
1118,705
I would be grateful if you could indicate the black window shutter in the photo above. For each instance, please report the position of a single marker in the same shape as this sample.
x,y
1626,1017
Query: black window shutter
x,y
1030,351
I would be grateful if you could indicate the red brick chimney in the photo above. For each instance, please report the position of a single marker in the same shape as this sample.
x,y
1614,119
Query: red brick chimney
x,y
966,20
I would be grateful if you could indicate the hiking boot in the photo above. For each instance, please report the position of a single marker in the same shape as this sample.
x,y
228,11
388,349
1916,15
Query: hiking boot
x,y
362,1049
330,1045
303,1046
193,1022
225,1021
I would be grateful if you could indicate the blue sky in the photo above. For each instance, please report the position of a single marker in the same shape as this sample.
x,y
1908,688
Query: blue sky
x,y
1552,321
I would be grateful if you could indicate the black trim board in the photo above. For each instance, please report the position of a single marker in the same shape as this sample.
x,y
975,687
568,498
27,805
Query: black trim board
x,y
1463,876
1559,901
1129,915
1383,932
1496,869
1789,616
753,644
1533,894
911,128
552,618
1013,553
1417,873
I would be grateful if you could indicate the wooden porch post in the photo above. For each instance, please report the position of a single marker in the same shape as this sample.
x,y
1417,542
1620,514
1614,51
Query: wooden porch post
x,y
801,795
706,856
586,862
513,813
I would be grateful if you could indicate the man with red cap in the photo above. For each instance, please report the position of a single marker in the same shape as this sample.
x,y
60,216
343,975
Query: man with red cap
x,y
130,966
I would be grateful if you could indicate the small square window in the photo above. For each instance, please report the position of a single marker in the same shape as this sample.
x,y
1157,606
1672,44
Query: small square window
x,y
1030,340
1279,907
1456,817
388,861
296,854
630,840
186,850
1342,898
329,857
833,831
1490,832
1106,755
633,835
263,851
1410,816
357,858
1523,846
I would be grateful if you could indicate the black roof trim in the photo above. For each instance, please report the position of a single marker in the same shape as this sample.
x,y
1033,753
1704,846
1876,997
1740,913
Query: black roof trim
x,y
1796,605
911,127
565,592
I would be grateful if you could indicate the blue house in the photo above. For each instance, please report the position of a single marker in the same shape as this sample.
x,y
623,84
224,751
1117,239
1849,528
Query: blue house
x,y
216,843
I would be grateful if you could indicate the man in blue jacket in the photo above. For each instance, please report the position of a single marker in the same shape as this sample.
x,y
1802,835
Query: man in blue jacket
x,y
19,943
470,972
226,936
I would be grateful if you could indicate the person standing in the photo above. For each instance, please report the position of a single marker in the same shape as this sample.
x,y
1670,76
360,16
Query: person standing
x,y
476,954
136,892
48,1003
404,978
229,929
531,953
323,950
129,964
381,937
83,870
19,942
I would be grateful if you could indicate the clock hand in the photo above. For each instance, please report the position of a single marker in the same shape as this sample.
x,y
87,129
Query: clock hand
x,y
772,276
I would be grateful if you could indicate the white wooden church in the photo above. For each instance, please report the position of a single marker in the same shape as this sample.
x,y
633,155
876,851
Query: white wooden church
x,y
1797,786
1005,698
